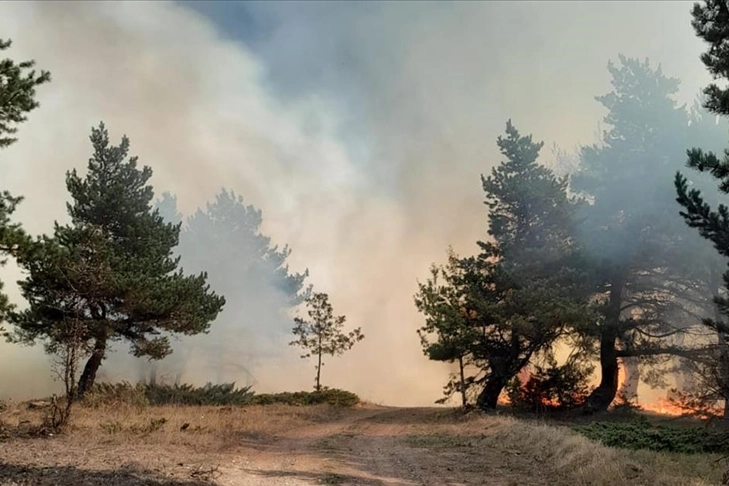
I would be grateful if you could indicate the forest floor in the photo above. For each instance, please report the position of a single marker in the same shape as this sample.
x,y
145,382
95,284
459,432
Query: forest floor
x,y
280,445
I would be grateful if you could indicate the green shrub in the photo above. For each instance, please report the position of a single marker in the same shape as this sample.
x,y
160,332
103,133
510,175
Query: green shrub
x,y
109,394
330,396
552,387
641,434
224,394
158,394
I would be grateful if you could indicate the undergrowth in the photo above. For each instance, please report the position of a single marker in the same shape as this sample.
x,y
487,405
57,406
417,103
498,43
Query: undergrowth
x,y
330,396
105,394
641,434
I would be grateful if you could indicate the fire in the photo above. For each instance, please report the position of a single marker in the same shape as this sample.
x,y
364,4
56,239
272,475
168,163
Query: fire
x,y
523,376
621,377
664,406
668,406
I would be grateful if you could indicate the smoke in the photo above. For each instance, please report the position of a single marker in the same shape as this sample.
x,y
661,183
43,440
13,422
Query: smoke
x,y
360,130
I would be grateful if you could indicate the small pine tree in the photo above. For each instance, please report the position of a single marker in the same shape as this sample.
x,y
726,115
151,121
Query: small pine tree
x,y
322,334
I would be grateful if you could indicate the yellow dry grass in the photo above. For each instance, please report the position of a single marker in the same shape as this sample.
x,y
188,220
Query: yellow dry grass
x,y
207,428
468,447
573,459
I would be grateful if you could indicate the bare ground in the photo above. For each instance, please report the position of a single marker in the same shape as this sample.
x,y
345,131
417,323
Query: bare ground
x,y
296,446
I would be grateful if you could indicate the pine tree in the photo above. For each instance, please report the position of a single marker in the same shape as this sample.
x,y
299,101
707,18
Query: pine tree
x,y
631,237
111,269
17,98
449,331
227,234
498,310
322,333
225,239
711,23
17,94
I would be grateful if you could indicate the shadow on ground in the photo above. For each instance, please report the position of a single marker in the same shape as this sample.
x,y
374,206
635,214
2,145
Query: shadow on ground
x,y
326,478
18,475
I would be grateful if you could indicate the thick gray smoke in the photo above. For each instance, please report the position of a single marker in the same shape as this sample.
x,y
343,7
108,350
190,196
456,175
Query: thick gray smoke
x,y
360,130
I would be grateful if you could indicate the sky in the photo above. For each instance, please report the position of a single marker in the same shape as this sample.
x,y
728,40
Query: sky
x,y
359,128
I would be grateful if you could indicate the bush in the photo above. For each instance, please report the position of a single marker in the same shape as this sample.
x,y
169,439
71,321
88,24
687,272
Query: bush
x,y
554,387
330,396
641,434
108,394
158,394
223,394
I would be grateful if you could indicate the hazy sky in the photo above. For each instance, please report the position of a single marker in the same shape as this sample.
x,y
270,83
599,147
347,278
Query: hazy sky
x,y
360,129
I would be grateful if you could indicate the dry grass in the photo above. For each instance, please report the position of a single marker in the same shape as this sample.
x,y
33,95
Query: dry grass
x,y
209,429
571,459
189,443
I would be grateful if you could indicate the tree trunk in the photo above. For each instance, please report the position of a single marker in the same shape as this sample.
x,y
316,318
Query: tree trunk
x,y
631,368
153,374
629,388
489,396
602,396
464,401
92,366
318,374
723,363
318,366
723,367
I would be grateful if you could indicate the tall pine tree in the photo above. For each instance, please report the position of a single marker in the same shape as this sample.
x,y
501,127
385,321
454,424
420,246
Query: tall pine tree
x,y
18,81
111,270
631,238
711,23
498,310
225,239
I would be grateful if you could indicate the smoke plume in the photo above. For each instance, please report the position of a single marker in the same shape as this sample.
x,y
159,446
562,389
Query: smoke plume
x,y
360,130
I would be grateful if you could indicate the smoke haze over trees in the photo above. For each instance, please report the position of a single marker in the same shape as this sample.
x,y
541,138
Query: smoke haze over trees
x,y
224,240
363,153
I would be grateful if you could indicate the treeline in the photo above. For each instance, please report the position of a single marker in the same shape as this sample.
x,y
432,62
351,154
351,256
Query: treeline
x,y
600,262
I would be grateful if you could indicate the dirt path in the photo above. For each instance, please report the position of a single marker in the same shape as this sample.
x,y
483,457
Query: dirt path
x,y
305,446
371,447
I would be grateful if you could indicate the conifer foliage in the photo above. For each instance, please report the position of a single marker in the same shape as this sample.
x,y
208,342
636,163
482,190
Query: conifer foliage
x,y
111,269
492,313
711,23
322,333
18,81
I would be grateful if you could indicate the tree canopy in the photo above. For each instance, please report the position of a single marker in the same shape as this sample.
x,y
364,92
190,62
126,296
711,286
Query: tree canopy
x,y
711,23
631,238
18,81
225,239
111,269
495,311
322,334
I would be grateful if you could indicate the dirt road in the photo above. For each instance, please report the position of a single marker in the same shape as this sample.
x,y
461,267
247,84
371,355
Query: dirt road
x,y
302,446
371,447
367,446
